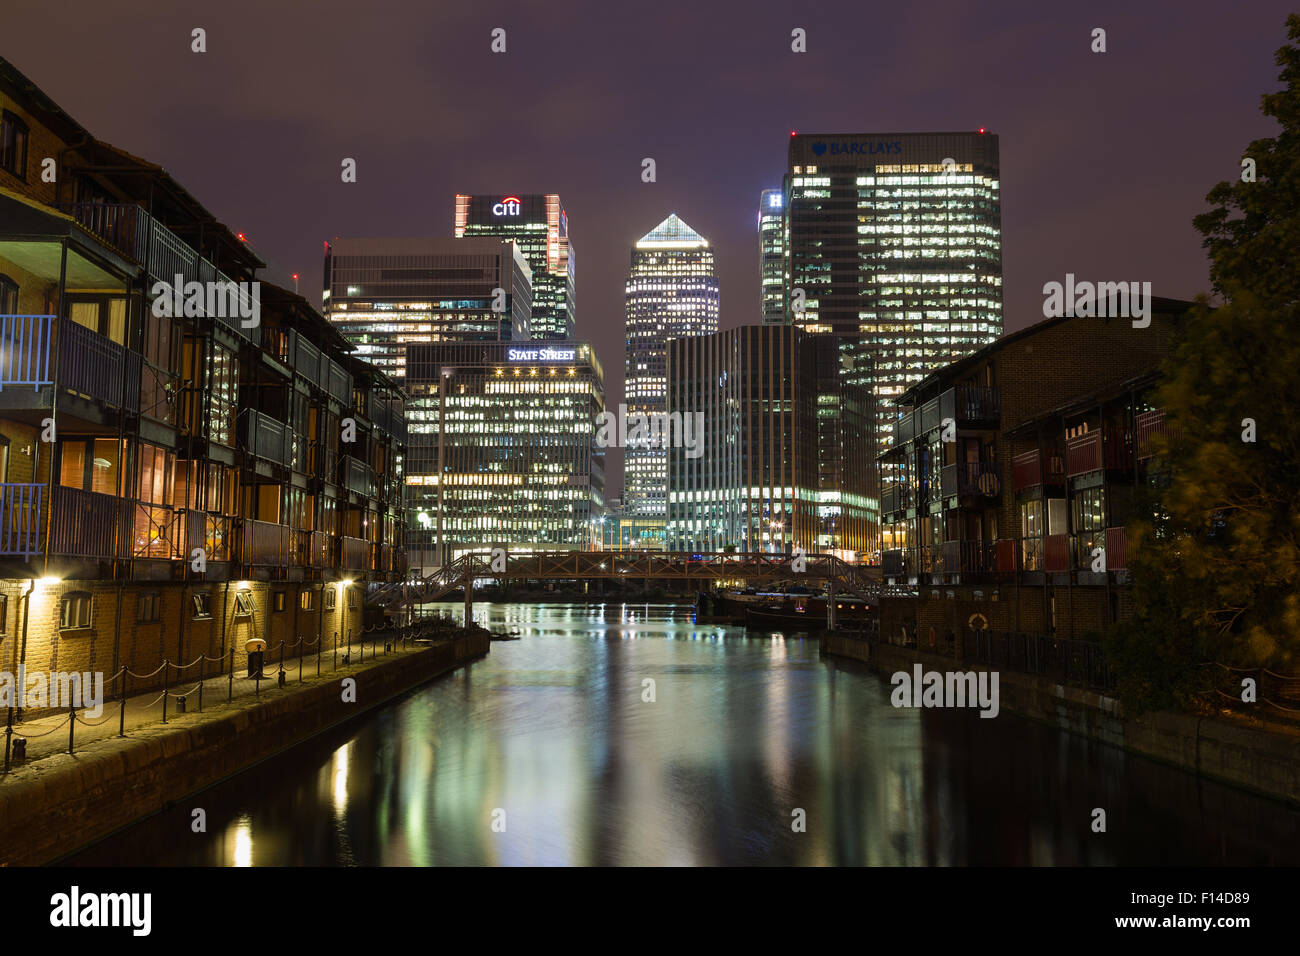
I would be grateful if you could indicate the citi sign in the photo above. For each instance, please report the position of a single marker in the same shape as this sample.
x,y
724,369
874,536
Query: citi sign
x,y
509,206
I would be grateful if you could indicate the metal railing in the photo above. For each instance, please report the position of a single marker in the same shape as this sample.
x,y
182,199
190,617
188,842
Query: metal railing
x,y
25,350
20,519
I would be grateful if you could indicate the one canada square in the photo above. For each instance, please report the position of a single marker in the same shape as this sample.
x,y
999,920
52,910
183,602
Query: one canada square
x,y
672,291
897,238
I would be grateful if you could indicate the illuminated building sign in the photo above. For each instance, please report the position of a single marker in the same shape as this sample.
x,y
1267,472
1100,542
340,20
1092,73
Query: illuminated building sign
x,y
542,355
509,206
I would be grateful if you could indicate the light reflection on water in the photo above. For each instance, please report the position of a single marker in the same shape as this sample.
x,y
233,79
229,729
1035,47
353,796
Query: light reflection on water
x,y
553,738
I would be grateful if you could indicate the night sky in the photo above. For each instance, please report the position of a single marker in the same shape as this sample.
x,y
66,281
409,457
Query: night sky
x,y
1105,157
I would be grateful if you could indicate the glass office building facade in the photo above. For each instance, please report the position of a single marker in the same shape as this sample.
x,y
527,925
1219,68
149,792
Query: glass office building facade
x,y
539,226
768,474
502,448
384,294
897,238
771,251
672,291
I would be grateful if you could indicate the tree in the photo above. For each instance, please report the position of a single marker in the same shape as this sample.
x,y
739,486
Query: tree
x,y
1216,564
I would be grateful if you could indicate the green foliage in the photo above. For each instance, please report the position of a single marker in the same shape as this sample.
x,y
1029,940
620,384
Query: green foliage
x,y
1216,562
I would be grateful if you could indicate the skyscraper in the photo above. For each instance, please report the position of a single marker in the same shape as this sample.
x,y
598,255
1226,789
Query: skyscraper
x,y
540,227
771,250
385,293
672,291
502,448
762,476
896,237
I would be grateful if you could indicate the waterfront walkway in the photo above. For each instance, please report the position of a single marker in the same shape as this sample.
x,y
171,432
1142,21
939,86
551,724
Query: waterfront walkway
x,y
144,712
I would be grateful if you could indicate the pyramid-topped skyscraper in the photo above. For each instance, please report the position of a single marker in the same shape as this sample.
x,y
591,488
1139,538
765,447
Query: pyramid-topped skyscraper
x,y
672,291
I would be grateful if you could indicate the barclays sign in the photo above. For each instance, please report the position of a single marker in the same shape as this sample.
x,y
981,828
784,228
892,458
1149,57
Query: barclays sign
x,y
875,148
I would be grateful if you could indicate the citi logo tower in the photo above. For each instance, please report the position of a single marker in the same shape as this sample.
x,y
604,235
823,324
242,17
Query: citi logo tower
x,y
509,206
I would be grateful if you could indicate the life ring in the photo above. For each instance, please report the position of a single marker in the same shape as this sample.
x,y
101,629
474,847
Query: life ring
x,y
983,622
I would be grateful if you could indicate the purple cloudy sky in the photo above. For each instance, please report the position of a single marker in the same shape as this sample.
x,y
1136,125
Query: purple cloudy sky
x,y
1105,157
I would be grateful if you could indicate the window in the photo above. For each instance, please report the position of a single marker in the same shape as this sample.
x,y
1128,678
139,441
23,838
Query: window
x,y
278,601
244,604
147,607
331,598
74,611
13,144
4,613
306,601
202,605
352,597
8,295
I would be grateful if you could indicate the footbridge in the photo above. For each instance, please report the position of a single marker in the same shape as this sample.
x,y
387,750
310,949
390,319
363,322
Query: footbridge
x,y
708,569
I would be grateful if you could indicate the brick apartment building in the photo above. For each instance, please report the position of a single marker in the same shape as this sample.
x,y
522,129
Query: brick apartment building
x,y
1049,447
170,486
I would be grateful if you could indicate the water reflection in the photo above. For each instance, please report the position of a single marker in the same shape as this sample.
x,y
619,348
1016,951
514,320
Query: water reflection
x,y
627,734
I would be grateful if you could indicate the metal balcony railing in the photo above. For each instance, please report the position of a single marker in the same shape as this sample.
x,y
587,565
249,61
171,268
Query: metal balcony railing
x,y
89,524
20,519
130,229
354,553
1149,425
970,405
264,543
1085,453
1027,469
359,477
25,350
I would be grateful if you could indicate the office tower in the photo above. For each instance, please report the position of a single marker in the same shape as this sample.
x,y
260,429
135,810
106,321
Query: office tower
x,y
384,293
762,478
502,448
672,291
539,225
896,237
771,250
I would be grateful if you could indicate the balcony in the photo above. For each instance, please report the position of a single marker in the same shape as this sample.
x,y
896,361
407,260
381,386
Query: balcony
x,y
1027,469
264,544
969,557
88,524
338,382
88,363
904,428
1088,453
359,477
1116,549
272,440
969,405
971,479
1056,552
892,563
1149,426
354,553
893,498
20,519
130,229
929,417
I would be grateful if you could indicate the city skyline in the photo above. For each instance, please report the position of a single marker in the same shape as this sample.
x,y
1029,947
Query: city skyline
x,y
1111,127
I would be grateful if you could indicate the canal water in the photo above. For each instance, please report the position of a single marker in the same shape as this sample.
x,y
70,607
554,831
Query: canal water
x,y
753,750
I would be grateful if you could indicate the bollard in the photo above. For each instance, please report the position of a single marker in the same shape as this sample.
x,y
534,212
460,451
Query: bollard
x,y
121,711
180,703
300,650
166,675
203,666
72,723
20,750
336,650
230,693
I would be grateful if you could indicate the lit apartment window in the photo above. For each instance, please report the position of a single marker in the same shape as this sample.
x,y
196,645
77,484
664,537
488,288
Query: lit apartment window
x,y
74,611
13,144
331,599
307,600
147,607
202,605
278,601
4,613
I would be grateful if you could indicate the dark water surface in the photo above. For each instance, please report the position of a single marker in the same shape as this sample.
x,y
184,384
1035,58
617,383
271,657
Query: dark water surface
x,y
743,731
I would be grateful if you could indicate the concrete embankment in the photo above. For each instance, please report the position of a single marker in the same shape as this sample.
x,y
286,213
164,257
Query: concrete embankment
x,y
64,802
1263,761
